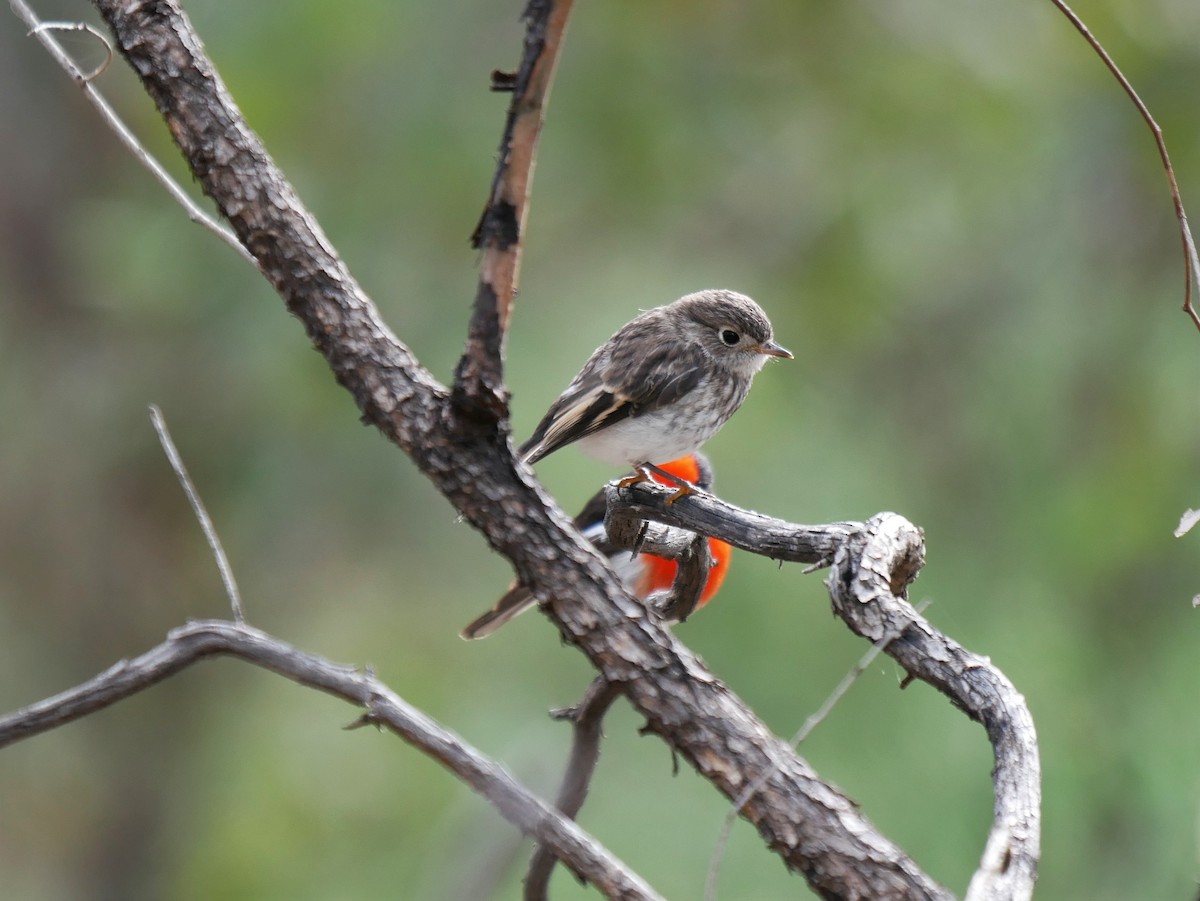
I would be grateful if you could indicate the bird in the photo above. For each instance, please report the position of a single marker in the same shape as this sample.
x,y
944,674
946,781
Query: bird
x,y
662,385
643,574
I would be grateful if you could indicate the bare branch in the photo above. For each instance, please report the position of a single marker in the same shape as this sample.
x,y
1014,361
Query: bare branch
x,y
587,718
873,565
202,517
691,575
211,638
707,514
866,586
479,378
43,31
1191,262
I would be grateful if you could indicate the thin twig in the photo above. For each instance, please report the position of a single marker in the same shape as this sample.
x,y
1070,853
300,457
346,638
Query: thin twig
x,y
718,855
587,718
210,638
85,27
844,686
43,31
202,517
1191,262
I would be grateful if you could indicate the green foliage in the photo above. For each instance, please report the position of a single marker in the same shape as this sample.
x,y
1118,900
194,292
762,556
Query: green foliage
x,y
952,214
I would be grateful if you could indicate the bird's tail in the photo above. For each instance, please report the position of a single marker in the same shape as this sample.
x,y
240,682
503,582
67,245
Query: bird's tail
x,y
517,600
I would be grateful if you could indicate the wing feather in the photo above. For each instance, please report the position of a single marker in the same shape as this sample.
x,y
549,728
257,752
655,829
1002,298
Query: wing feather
x,y
639,370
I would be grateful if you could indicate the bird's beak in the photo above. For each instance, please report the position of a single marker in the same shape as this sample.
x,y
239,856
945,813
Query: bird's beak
x,y
771,349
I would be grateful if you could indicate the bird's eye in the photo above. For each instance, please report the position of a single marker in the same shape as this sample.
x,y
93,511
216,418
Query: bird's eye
x,y
729,337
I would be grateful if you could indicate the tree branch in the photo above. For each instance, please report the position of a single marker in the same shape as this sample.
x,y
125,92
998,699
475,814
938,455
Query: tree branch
x,y
689,549
211,638
479,379
463,448
39,30
587,717
1191,262
707,514
864,594
873,563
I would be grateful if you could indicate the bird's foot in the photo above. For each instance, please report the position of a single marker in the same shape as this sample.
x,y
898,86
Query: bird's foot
x,y
683,487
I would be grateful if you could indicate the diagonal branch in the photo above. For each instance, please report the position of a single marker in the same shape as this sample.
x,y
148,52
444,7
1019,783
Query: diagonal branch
x,y
200,512
213,638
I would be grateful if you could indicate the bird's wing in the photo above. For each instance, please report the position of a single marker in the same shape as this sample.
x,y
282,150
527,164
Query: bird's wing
x,y
614,386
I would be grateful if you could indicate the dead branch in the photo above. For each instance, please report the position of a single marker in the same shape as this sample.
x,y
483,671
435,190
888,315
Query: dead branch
x,y
1191,262
689,549
201,640
587,717
44,32
873,564
479,379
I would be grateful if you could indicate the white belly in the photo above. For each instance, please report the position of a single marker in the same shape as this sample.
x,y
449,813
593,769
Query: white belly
x,y
656,437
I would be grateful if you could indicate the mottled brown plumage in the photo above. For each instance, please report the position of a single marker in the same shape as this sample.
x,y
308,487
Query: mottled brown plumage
x,y
663,384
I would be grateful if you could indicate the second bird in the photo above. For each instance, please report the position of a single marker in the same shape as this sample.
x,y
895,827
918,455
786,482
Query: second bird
x,y
663,384
643,574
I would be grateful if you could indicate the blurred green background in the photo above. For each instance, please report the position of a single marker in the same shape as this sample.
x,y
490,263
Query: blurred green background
x,y
953,216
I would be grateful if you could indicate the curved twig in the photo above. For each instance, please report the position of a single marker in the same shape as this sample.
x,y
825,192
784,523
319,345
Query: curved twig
x,y
210,638
689,549
1191,263
44,33
81,76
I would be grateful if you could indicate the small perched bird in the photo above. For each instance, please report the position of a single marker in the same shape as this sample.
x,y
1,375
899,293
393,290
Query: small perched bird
x,y
663,384
642,575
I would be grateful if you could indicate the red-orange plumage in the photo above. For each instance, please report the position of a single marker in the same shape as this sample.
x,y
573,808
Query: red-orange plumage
x,y
659,572
643,575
